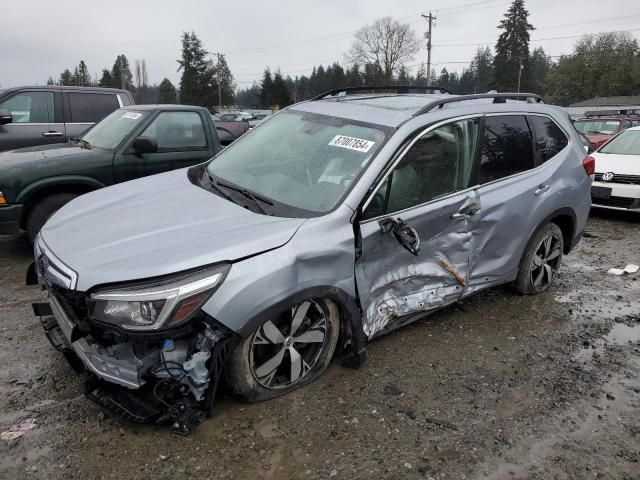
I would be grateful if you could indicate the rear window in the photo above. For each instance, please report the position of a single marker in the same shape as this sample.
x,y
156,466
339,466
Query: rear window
x,y
627,143
91,107
550,139
506,148
604,127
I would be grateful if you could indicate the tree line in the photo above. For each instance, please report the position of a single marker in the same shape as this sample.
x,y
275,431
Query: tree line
x,y
605,64
120,76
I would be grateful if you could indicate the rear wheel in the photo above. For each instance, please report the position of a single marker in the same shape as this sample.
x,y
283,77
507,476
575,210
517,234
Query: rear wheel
x,y
285,352
42,210
541,261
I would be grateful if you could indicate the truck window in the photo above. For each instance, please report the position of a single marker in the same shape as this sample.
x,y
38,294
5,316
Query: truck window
x,y
91,107
30,107
177,131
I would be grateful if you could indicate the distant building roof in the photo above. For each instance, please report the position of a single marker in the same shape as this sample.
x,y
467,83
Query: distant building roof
x,y
631,100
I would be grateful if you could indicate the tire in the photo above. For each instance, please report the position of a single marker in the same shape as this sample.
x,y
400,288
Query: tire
x,y
42,210
249,372
541,261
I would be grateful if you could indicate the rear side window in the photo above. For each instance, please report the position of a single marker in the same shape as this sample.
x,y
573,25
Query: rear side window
x,y
550,139
91,107
506,148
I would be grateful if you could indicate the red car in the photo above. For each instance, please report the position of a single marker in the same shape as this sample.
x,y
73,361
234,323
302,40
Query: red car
x,y
600,126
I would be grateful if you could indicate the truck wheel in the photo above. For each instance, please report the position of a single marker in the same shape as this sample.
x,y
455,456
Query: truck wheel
x,y
285,352
541,261
42,210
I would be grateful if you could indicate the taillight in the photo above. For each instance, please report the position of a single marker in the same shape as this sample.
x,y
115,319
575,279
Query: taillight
x,y
589,165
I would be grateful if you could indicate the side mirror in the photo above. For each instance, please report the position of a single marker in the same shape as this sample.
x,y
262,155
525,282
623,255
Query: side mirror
x,y
5,116
142,145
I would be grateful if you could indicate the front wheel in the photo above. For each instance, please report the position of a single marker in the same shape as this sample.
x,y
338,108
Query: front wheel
x,y
285,352
42,210
541,261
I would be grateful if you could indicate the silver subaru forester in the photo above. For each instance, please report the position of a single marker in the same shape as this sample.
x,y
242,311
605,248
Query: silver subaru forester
x,y
335,221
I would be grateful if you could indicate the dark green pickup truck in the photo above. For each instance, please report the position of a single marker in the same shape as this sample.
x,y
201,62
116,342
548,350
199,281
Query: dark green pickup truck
x,y
131,142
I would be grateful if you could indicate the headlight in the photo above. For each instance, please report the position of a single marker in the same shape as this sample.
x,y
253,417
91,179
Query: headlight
x,y
161,304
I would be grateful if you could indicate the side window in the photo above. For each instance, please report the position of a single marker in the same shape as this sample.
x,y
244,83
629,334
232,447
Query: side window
x,y
506,147
550,139
177,131
91,107
30,107
626,124
438,164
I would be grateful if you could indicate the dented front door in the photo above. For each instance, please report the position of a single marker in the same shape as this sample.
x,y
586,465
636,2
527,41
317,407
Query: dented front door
x,y
416,233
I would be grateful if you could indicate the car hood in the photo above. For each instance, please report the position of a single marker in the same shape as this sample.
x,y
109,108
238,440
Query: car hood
x,y
156,226
598,138
23,156
620,164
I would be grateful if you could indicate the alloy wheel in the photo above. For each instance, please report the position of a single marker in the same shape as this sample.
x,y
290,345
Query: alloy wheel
x,y
284,350
545,262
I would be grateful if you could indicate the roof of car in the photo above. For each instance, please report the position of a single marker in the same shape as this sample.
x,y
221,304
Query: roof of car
x,y
393,110
64,87
164,106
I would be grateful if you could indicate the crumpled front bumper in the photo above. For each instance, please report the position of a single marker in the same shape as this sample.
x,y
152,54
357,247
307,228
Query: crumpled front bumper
x,y
95,358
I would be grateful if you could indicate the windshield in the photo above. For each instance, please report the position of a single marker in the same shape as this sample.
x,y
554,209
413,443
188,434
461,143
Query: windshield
x,y
627,143
303,160
606,127
113,129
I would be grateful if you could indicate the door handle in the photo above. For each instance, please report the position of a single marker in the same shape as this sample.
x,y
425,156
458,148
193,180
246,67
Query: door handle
x,y
542,189
459,216
52,134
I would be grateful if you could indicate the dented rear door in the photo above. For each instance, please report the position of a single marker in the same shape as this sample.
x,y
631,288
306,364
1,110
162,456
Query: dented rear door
x,y
426,196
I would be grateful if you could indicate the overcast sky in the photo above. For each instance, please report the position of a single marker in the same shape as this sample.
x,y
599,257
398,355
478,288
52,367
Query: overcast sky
x,y
39,39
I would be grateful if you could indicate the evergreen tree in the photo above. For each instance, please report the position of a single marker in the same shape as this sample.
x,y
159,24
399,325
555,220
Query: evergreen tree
x,y
196,84
539,65
107,80
50,81
281,97
83,78
249,97
167,92
266,89
121,73
222,74
482,69
66,77
512,49
443,79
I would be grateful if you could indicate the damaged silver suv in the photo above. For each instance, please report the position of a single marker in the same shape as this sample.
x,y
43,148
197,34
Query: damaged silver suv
x,y
335,221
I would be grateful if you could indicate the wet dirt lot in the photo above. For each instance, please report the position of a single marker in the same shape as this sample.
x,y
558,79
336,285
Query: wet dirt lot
x,y
500,386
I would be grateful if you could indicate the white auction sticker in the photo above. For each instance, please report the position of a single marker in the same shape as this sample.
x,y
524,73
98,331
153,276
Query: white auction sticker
x,y
132,115
352,143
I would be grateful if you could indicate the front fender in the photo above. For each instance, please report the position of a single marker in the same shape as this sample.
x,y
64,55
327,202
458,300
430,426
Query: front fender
x,y
313,264
59,181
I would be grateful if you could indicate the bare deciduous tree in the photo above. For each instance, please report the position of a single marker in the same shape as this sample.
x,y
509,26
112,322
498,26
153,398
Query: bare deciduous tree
x,y
386,43
142,79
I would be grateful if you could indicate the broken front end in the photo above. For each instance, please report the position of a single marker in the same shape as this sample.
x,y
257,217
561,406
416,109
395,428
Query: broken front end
x,y
148,350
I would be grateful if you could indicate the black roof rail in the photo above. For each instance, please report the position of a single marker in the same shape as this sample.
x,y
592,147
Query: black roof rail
x,y
390,89
497,98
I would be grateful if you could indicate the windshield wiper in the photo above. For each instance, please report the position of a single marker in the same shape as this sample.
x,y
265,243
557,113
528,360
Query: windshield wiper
x,y
255,198
84,143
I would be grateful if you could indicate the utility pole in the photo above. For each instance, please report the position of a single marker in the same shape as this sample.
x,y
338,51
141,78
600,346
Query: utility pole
x,y
429,18
219,80
520,73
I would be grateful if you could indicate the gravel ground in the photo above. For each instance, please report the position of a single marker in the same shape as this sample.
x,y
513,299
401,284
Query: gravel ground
x,y
500,386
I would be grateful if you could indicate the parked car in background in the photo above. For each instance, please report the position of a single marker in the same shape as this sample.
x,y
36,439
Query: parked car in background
x,y
617,180
600,125
229,130
257,118
129,143
338,220
41,115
